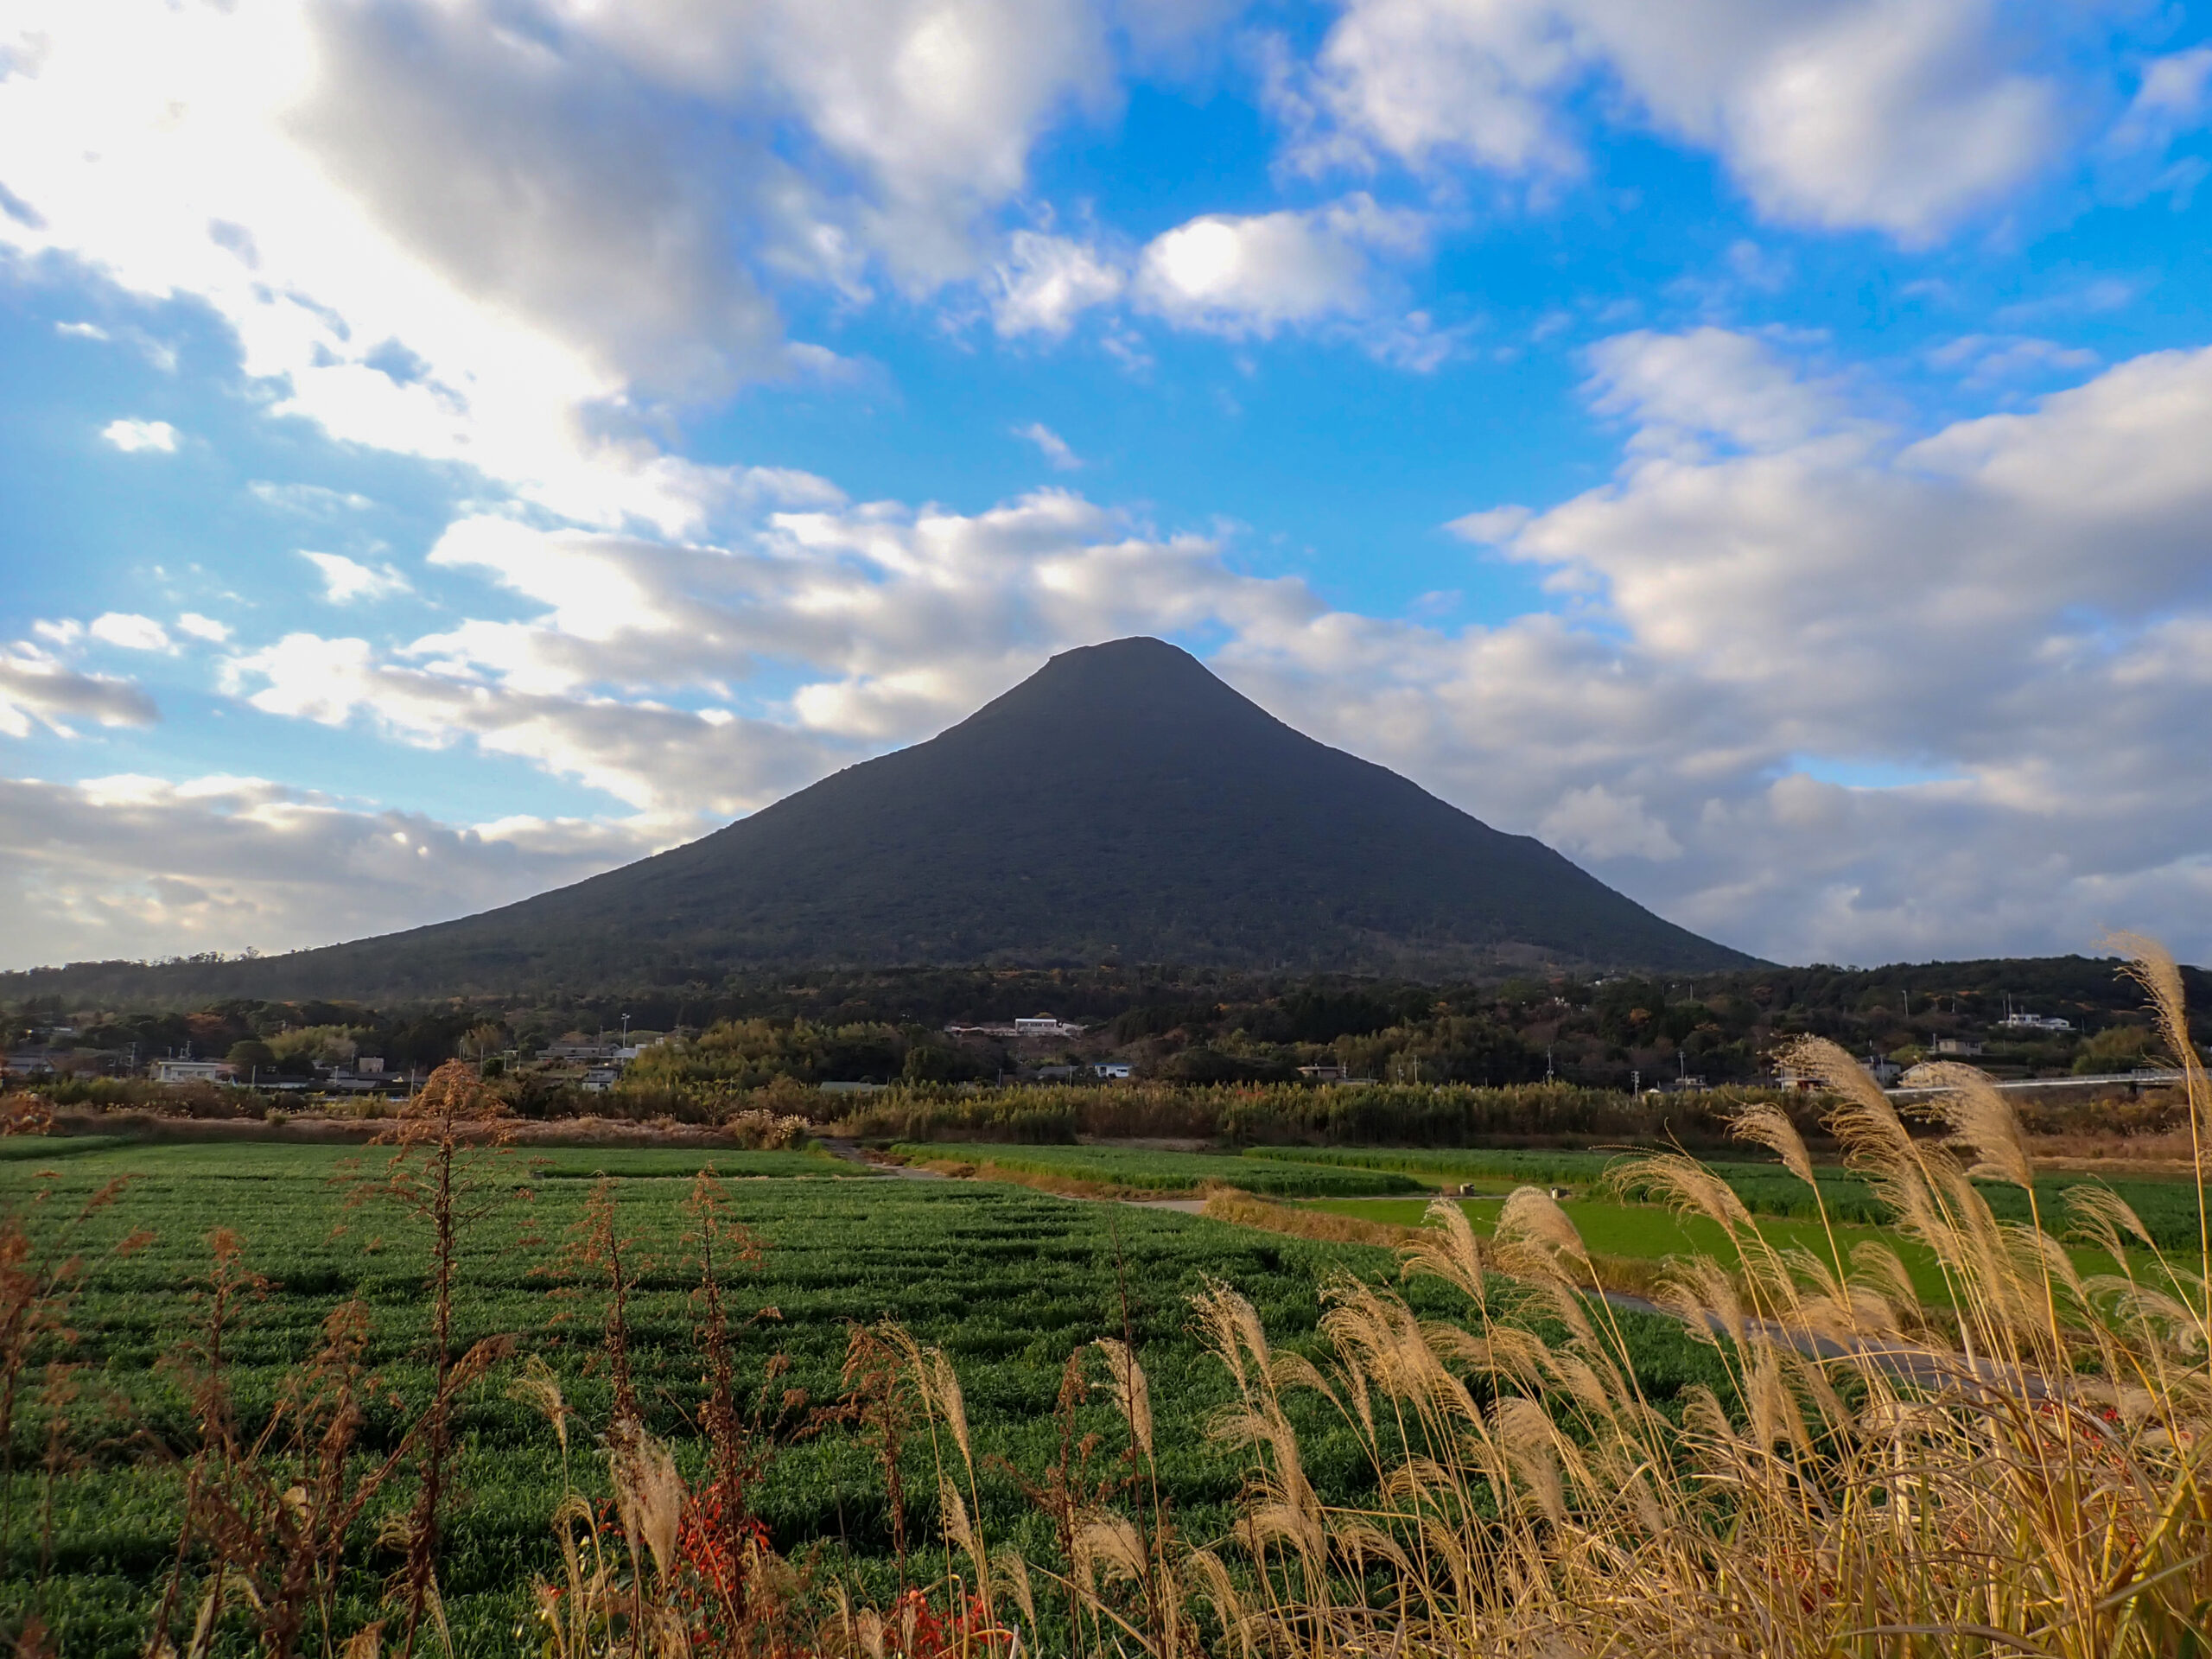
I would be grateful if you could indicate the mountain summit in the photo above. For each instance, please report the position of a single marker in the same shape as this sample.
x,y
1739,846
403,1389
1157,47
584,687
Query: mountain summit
x,y
1122,803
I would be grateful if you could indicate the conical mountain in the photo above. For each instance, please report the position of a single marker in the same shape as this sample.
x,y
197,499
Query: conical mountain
x,y
1121,804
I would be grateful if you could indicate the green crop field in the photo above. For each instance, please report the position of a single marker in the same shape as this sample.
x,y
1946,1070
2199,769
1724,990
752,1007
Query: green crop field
x,y
1649,1232
1167,1172
2167,1207
1008,1281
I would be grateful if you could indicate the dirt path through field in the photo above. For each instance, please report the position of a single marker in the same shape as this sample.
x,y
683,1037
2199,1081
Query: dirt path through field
x,y
839,1146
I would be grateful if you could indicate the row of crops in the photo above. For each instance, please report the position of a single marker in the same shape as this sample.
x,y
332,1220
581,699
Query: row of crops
x,y
1010,1282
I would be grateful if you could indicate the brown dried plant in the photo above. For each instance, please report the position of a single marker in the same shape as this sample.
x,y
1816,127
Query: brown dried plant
x,y
2015,1464
448,1173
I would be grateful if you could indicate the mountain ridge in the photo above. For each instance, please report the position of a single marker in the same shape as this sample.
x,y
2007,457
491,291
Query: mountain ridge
x,y
1121,803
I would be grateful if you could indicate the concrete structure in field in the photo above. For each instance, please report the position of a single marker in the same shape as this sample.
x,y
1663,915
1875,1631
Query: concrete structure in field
x,y
1040,1025
589,1052
193,1071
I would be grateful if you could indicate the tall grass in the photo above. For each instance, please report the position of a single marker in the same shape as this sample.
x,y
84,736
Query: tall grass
x,y
2020,1469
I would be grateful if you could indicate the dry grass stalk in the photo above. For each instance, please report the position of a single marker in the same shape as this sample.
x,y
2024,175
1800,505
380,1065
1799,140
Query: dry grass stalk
x,y
2016,1466
446,1174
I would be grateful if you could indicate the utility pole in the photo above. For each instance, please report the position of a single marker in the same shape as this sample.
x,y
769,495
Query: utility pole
x,y
1548,1061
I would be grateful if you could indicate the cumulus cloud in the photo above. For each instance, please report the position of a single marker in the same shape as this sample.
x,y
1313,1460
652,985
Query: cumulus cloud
x,y
133,436
130,632
896,620
135,867
34,688
1045,282
346,580
1838,113
506,234
2018,604
2015,601
498,236
1709,386
1599,824
1254,275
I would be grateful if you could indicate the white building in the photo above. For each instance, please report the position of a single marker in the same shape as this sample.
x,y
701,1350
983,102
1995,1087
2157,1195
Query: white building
x,y
192,1072
1044,1025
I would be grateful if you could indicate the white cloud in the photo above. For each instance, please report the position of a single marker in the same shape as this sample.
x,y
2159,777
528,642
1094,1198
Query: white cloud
x,y
2018,605
2174,96
1050,445
2016,602
64,633
346,580
1901,116
1985,360
501,236
137,867
1492,526
1253,276
134,436
203,627
33,687
1710,387
1603,825
310,500
130,632
1045,282
505,235
899,620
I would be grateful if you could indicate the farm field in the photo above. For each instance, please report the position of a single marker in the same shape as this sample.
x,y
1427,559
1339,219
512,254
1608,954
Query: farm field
x,y
1646,1232
1165,1171
1010,1282
2167,1207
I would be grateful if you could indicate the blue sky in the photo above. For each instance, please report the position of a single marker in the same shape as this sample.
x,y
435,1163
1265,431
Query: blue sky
x,y
1760,448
